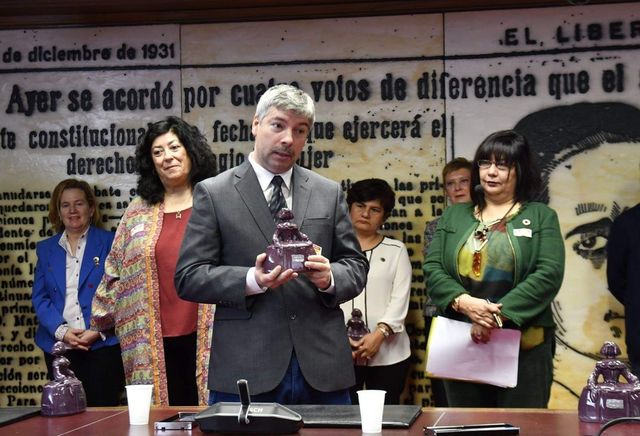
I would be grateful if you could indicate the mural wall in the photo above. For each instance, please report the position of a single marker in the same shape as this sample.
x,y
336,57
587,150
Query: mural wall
x,y
396,98
568,79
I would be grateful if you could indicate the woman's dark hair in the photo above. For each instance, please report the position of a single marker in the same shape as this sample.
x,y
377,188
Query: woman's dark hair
x,y
54,203
203,164
512,148
372,189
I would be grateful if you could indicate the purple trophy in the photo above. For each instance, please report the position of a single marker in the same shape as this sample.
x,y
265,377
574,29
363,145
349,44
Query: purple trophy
x,y
64,395
290,248
356,329
609,399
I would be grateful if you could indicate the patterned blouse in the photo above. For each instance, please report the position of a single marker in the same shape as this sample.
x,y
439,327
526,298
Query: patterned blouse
x,y
127,299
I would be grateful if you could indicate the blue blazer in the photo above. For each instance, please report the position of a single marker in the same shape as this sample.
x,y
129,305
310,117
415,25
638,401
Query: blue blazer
x,y
50,284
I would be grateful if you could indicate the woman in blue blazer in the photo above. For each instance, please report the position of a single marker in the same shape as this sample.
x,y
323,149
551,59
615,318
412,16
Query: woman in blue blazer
x,y
70,266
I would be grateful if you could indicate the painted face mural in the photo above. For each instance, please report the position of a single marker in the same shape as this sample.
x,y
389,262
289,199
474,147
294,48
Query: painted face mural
x,y
591,176
588,191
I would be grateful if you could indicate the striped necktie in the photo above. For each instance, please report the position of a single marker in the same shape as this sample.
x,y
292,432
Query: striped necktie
x,y
277,200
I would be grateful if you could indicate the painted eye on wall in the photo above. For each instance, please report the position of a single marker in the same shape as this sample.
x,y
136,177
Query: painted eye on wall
x,y
589,241
591,246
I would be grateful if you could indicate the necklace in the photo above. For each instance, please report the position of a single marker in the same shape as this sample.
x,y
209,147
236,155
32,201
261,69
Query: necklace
x,y
179,212
184,205
481,238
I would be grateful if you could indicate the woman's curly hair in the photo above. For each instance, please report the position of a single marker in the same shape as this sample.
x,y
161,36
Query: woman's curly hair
x,y
203,163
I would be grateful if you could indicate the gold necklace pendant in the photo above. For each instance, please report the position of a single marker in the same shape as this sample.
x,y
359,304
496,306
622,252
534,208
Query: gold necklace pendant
x,y
481,238
476,265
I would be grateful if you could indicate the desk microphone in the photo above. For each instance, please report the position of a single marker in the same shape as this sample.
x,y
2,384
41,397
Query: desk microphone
x,y
248,418
245,400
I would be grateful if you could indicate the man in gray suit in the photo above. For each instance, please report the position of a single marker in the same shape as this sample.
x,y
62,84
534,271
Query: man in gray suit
x,y
283,331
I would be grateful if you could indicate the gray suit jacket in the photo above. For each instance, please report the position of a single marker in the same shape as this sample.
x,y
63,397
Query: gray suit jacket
x,y
253,337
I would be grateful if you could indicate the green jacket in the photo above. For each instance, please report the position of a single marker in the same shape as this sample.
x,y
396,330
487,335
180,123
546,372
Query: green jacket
x,y
538,250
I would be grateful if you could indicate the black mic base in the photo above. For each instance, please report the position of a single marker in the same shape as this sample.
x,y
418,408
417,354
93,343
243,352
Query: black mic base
x,y
263,418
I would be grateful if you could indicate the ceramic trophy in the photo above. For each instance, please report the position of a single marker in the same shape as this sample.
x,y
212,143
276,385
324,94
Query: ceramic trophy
x,y
290,248
609,398
64,395
356,329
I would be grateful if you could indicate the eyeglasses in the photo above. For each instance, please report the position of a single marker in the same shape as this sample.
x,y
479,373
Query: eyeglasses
x,y
501,165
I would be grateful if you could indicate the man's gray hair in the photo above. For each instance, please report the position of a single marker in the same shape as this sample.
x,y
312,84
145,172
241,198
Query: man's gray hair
x,y
286,98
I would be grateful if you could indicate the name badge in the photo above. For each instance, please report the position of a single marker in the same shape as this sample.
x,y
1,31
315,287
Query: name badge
x,y
522,232
137,229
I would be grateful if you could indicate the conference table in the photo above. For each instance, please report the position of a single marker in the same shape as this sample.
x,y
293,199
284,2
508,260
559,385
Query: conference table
x,y
115,421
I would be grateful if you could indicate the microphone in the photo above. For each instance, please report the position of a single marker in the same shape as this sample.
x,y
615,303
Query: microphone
x,y
245,400
478,189
247,417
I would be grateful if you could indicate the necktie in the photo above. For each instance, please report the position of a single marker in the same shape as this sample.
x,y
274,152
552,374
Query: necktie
x,y
277,200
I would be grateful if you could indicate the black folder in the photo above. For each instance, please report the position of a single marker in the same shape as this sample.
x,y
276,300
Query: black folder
x,y
13,414
394,416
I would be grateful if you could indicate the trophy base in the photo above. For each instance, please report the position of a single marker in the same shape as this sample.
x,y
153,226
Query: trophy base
x,y
60,398
609,401
288,256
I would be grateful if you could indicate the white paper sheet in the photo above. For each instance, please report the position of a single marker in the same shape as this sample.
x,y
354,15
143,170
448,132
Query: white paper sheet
x,y
453,354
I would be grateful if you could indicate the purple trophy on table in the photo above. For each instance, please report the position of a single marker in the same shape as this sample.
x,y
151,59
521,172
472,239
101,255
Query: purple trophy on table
x,y
290,248
64,395
609,398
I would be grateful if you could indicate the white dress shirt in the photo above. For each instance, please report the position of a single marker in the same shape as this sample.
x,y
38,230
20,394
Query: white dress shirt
x,y
72,312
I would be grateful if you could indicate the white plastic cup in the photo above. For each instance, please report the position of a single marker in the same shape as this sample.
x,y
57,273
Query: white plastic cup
x,y
139,403
371,409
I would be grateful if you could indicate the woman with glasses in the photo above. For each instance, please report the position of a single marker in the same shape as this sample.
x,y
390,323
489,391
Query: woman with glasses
x,y
382,356
456,176
499,262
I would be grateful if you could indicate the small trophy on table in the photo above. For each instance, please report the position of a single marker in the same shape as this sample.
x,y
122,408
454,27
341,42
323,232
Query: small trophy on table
x,y
64,395
606,397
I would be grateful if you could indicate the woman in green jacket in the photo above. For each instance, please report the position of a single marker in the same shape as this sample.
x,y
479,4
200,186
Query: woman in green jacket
x,y
500,260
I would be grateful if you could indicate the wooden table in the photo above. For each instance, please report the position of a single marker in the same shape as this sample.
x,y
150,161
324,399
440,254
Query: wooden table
x,y
115,421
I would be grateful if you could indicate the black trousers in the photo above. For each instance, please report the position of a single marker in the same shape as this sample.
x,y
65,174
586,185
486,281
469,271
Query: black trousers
x,y
180,362
100,372
390,378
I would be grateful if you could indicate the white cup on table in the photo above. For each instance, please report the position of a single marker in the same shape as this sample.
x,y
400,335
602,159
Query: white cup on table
x,y
139,403
371,409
